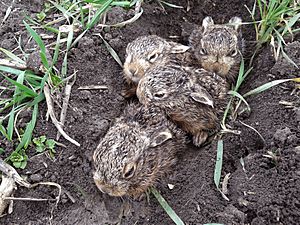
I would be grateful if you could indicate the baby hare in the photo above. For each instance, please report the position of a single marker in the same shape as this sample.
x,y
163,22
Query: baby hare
x,y
218,47
184,100
147,51
136,152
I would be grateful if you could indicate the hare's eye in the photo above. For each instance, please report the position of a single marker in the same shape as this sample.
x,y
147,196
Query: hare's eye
x,y
180,81
152,57
203,51
129,170
159,95
233,52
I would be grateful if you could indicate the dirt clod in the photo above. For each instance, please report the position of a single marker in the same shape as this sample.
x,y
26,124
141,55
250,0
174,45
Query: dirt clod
x,y
282,134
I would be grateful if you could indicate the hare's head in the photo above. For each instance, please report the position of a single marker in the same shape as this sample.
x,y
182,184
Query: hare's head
x,y
218,47
133,156
147,51
167,86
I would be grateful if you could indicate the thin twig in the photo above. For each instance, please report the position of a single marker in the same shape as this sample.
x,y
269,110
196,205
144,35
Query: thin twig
x,y
256,131
66,99
93,87
29,199
53,118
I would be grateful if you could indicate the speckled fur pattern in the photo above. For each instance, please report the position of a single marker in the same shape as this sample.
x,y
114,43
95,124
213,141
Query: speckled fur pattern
x,y
186,102
143,139
219,47
216,85
148,51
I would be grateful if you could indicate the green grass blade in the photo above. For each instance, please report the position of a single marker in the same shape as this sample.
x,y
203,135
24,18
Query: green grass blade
x,y
288,58
79,37
164,204
13,56
265,87
40,43
36,100
10,124
65,12
223,123
22,87
3,132
240,76
65,61
51,29
133,2
56,49
218,166
124,4
238,95
20,80
97,15
291,23
111,51
10,70
29,129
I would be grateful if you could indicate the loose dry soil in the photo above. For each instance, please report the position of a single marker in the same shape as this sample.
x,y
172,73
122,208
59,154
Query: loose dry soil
x,y
263,192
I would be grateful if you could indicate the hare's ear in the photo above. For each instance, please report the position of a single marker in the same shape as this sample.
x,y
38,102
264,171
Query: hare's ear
x,y
236,22
202,99
202,96
207,21
178,48
160,137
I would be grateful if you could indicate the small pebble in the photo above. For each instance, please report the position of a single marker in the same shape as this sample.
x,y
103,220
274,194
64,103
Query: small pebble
x,y
282,134
36,177
298,115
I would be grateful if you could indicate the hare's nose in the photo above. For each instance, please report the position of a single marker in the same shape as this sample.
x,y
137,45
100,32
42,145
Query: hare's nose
x,y
133,71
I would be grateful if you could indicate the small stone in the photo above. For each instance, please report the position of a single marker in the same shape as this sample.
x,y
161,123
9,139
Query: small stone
x,y
7,43
36,178
297,115
292,139
108,36
171,186
297,150
116,43
85,94
282,134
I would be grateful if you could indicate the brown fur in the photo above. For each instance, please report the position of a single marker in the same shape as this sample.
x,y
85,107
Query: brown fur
x,y
143,139
218,48
184,99
146,52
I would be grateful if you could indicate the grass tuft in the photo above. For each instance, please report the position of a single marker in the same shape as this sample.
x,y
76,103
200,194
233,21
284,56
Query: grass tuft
x,y
277,19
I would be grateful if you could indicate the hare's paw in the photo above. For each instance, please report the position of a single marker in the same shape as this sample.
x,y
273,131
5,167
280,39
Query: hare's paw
x,y
200,138
129,92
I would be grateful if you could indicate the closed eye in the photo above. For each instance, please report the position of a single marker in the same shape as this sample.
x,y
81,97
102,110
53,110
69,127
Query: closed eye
x,y
152,57
159,95
203,51
129,170
233,52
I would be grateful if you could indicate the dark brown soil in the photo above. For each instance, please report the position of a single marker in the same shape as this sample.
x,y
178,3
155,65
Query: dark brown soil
x,y
264,191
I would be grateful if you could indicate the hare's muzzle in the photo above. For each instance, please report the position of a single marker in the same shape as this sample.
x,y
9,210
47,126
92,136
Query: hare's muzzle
x,y
107,189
